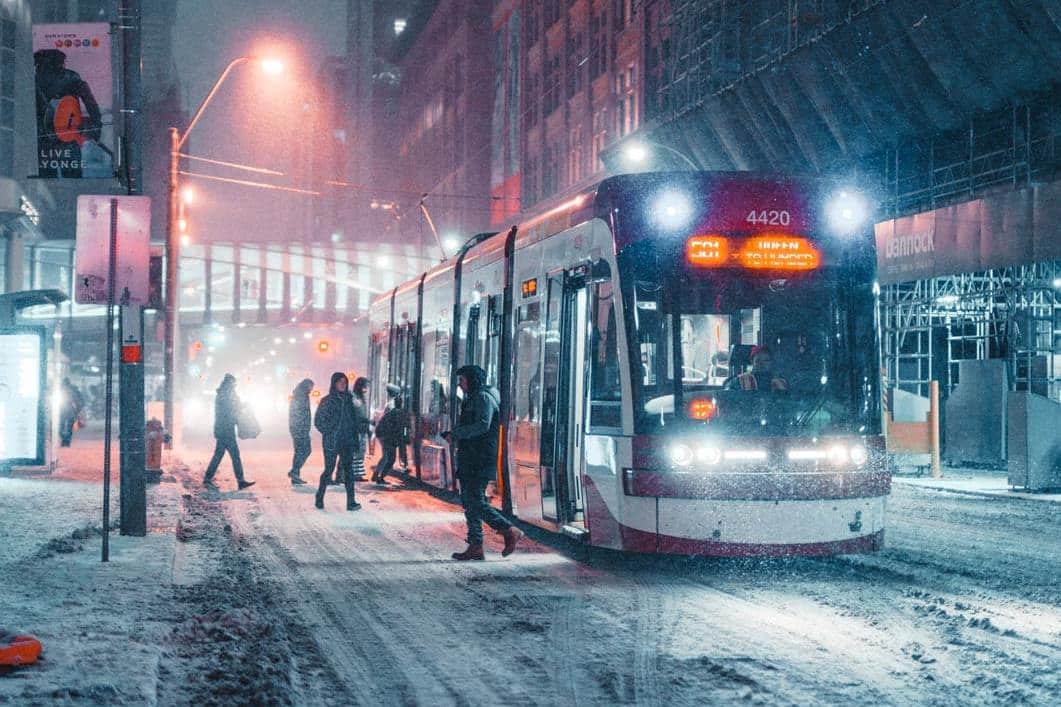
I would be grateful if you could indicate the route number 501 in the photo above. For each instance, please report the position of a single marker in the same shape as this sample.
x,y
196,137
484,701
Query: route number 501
x,y
769,218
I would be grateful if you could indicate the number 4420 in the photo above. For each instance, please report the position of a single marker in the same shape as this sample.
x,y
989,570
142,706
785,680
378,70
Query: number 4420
x,y
769,218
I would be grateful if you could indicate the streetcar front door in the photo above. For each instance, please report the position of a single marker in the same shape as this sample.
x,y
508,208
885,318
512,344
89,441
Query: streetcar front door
x,y
563,399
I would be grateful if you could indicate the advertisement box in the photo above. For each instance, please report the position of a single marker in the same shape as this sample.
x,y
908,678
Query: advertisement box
x,y
22,389
92,254
75,100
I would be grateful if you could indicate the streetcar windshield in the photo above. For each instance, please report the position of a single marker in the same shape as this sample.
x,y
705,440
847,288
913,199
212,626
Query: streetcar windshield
x,y
748,353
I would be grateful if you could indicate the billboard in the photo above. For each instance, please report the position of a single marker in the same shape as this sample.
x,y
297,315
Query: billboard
x,y
92,254
75,100
997,231
22,395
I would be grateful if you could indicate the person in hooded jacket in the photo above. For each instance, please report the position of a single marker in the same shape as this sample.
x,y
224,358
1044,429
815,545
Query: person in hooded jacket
x,y
226,413
299,423
476,436
337,420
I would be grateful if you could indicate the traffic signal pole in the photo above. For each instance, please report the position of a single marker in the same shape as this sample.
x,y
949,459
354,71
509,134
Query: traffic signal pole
x,y
132,488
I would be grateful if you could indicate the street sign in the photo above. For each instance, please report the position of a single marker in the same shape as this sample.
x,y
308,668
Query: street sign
x,y
92,264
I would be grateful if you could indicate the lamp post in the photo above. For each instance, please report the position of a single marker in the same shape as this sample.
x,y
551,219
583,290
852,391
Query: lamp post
x,y
638,152
173,244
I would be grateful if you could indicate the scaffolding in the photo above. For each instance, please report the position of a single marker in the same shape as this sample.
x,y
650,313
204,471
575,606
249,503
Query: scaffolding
x,y
717,42
1014,314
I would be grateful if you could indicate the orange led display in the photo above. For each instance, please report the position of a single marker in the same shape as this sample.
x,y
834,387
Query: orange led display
x,y
702,409
779,253
707,251
771,252
530,287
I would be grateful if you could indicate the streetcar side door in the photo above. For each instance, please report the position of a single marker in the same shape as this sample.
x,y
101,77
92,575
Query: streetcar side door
x,y
563,398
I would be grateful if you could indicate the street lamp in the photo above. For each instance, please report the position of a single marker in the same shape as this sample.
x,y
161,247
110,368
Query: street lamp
x,y
638,153
174,239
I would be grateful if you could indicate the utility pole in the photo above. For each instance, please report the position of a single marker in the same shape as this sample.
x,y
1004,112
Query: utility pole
x,y
132,492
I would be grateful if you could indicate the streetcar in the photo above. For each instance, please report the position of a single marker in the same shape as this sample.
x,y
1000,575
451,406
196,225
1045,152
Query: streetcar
x,y
688,364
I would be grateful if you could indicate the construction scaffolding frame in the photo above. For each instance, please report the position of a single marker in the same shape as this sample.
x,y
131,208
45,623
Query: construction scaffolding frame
x,y
1008,313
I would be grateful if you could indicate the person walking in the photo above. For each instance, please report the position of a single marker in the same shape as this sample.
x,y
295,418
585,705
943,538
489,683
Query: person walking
x,y
476,435
70,410
395,397
337,421
226,412
364,426
299,423
390,431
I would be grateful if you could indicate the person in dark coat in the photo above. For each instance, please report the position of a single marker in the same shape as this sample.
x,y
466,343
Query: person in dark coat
x,y
476,435
299,423
337,420
395,397
226,413
390,431
69,411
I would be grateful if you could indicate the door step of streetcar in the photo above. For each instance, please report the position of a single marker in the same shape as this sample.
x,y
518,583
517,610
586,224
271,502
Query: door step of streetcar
x,y
575,533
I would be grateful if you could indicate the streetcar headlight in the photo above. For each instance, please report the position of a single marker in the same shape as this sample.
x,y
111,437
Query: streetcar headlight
x,y
858,454
838,454
680,454
672,210
847,211
709,455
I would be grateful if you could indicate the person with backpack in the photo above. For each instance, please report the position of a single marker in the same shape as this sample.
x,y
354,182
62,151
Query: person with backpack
x,y
299,423
226,415
338,420
476,435
390,431
69,411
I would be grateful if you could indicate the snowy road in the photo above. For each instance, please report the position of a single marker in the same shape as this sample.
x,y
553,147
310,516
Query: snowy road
x,y
963,607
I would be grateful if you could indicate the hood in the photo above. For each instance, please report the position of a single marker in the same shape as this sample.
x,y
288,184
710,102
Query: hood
x,y
227,383
493,393
303,388
476,376
336,377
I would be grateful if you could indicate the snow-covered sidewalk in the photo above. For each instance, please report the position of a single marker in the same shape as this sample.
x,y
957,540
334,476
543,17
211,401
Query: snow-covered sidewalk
x,y
94,619
976,482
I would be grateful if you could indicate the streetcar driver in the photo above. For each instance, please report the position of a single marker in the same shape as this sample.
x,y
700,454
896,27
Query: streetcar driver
x,y
762,376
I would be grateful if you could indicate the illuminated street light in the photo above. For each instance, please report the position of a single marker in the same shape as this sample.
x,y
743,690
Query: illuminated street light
x,y
271,66
451,242
174,241
188,195
638,152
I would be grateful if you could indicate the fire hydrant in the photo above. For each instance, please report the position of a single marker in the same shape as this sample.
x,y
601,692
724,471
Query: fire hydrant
x,y
154,436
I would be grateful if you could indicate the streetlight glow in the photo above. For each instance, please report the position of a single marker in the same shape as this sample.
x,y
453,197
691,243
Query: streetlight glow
x,y
635,152
272,66
188,195
450,242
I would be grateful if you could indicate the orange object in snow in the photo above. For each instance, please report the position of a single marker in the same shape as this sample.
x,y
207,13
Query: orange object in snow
x,y
18,650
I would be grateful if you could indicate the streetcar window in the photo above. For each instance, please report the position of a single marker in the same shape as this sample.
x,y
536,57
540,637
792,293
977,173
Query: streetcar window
x,y
434,409
528,354
605,390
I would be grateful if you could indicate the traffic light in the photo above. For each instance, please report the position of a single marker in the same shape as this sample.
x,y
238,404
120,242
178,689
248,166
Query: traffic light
x,y
324,346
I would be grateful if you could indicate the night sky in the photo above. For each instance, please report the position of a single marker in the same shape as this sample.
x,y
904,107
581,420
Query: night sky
x,y
251,121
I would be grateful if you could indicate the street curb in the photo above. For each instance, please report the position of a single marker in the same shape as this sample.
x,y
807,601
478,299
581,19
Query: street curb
x,y
1005,495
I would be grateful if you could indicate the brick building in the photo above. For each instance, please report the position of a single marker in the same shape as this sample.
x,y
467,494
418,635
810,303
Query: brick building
x,y
442,136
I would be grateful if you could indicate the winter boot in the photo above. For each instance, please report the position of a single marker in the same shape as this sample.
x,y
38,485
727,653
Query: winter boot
x,y
319,503
296,480
209,484
474,552
246,484
353,506
511,535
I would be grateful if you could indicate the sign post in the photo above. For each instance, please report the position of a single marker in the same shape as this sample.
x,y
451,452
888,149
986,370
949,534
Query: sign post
x,y
111,264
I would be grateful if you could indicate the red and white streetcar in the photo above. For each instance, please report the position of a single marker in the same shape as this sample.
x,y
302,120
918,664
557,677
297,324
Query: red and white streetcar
x,y
688,363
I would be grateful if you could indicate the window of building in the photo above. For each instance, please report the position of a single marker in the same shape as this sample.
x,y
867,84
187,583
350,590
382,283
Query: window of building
x,y
598,46
551,12
576,60
551,170
8,70
622,11
551,90
600,137
574,154
533,23
533,100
